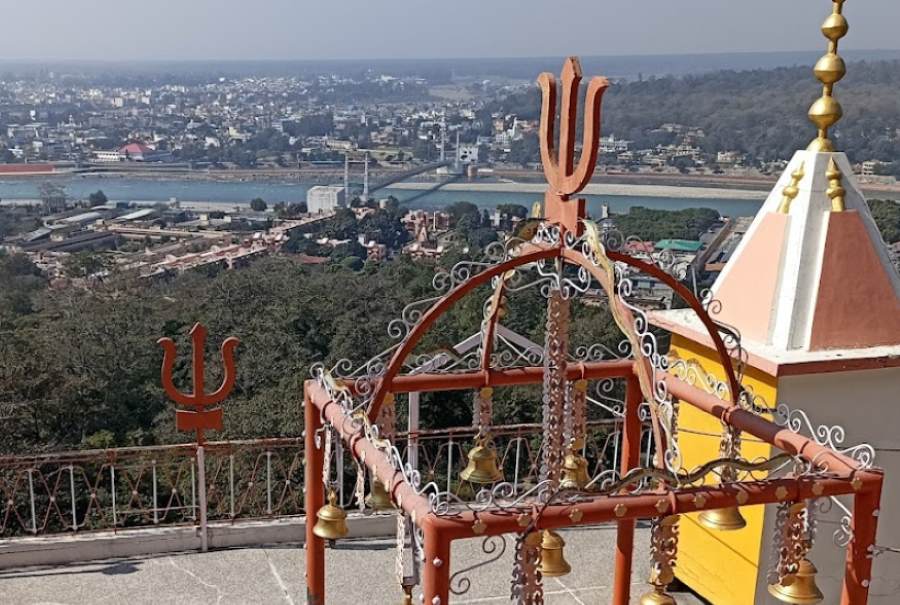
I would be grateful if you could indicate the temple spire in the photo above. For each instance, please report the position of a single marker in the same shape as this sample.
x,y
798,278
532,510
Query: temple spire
x,y
829,70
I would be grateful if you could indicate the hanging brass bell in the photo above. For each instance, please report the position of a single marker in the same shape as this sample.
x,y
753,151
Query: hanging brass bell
x,y
658,596
378,498
331,523
723,519
407,594
553,559
574,470
482,466
799,588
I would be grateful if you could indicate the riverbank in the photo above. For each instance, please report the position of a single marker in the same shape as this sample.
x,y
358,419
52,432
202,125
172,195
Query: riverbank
x,y
698,193
614,182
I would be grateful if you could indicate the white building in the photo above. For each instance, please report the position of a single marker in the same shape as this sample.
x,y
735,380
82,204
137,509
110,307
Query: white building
x,y
468,153
108,156
325,198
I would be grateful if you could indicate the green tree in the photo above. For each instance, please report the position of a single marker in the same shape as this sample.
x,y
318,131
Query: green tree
x,y
98,198
887,216
258,204
86,263
513,210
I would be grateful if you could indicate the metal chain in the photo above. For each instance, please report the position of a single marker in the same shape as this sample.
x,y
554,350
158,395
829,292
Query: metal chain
x,y
554,396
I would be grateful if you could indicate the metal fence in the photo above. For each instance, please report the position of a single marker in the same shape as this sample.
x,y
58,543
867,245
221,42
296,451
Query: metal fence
x,y
124,488
149,486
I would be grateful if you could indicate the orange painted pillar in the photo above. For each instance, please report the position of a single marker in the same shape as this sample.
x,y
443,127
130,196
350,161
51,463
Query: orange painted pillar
x,y
436,572
858,569
315,499
631,452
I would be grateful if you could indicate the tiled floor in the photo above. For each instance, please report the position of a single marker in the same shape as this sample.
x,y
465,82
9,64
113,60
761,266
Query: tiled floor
x,y
358,572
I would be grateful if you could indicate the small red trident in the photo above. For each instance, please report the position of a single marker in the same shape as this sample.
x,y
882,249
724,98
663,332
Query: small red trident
x,y
564,178
200,418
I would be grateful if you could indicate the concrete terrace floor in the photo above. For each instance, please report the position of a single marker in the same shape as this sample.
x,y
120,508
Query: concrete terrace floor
x,y
359,571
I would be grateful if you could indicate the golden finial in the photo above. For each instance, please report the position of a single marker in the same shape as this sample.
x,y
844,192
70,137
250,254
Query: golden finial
x,y
791,191
830,69
835,191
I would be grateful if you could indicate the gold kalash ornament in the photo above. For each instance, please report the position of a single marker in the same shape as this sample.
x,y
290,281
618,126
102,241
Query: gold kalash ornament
x,y
482,466
331,523
553,559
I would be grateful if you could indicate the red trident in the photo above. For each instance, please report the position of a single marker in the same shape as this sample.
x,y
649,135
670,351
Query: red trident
x,y
199,418
564,178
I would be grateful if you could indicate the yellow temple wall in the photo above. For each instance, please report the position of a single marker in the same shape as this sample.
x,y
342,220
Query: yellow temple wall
x,y
721,566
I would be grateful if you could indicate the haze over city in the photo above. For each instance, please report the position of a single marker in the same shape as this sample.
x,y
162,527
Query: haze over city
x,y
290,29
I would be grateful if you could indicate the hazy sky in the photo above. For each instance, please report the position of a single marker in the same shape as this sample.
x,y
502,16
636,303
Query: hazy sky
x,y
319,29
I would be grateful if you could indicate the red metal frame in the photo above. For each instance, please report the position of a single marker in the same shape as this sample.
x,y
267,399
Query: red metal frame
x,y
843,475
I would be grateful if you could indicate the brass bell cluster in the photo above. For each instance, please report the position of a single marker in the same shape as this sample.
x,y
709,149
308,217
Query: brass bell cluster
x,y
553,559
664,549
575,468
331,520
797,580
482,467
728,518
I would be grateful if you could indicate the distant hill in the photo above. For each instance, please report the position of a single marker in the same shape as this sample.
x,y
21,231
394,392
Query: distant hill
x,y
758,112
630,67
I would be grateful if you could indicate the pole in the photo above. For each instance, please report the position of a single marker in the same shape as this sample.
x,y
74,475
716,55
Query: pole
x,y
347,179
631,452
366,179
201,497
315,499
436,574
412,429
858,568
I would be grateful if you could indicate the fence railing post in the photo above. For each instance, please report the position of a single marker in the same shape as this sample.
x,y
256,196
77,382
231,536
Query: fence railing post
x,y
155,506
112,491
516,471
201,491
72,489
31,499
231,483
193,492
268,483
450,464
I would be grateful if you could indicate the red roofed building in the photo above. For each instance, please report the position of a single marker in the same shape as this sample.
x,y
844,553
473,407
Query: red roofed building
x,y
136,152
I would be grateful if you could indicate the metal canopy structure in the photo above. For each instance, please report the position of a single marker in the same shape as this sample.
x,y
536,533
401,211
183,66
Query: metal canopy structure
x,y
566,256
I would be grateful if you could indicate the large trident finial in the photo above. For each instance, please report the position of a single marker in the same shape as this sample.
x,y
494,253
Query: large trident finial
x,y
199,418
564,178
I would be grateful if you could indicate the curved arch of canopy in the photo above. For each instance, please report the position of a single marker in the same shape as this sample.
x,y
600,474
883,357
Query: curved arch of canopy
x,y
533,254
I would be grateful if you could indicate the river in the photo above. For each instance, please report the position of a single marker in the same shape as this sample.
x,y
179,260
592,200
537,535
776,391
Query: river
x,y
240,192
